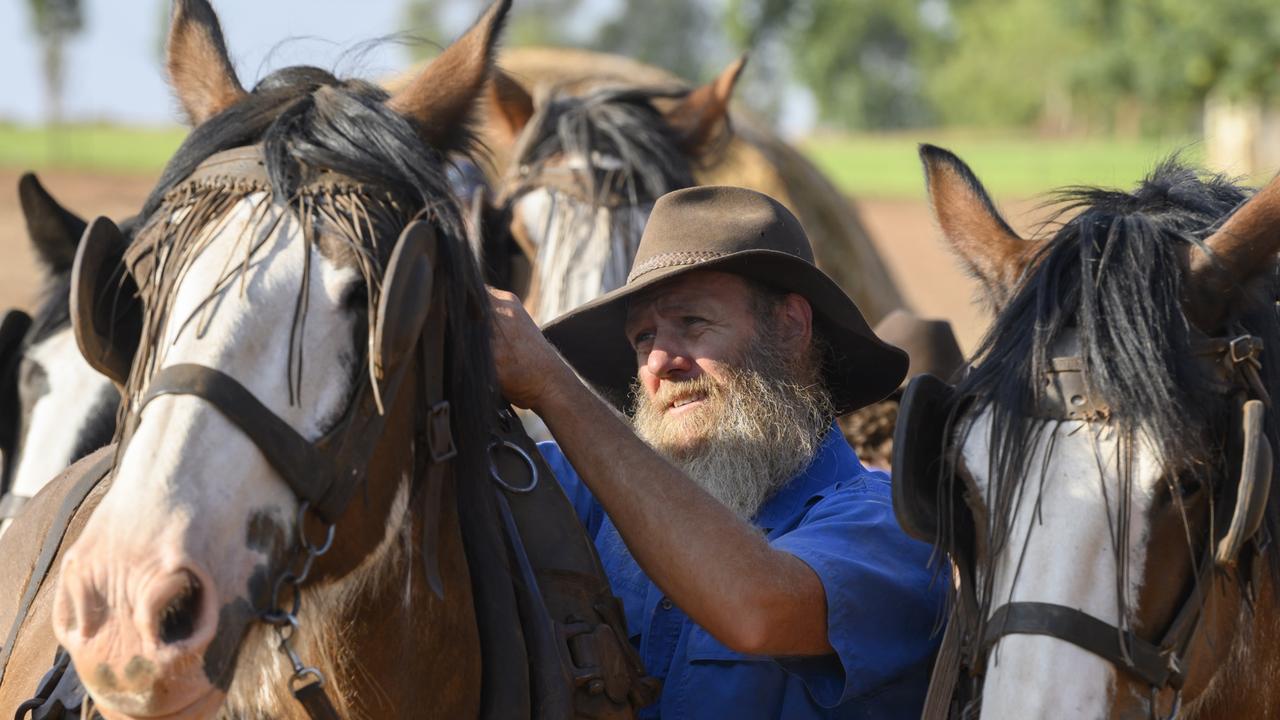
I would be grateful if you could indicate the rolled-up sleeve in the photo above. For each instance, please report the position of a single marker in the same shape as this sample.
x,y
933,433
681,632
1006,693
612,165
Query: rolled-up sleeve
x,y
883,600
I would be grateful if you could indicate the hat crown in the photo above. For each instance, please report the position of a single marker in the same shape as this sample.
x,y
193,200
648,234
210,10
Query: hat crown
x,y
930,344
703,223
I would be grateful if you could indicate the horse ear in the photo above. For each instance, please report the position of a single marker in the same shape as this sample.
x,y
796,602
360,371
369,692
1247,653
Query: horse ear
x,y
54,231
703,112
989,248
510,105
199,68
441,99
1242,249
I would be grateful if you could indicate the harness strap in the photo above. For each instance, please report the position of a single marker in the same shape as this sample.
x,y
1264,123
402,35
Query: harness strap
x,y
436,447
52,542
946,669
1119,647
290,454
316,702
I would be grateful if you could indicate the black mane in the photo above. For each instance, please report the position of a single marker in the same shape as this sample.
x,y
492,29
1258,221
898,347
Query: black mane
x,y
306,116
53,310
1114,272
619,123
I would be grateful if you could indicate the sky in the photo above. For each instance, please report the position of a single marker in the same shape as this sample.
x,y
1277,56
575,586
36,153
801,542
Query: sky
x,y
114,71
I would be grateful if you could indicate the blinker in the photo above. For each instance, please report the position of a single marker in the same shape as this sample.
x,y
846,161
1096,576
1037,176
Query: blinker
x,y
1254,487
106,313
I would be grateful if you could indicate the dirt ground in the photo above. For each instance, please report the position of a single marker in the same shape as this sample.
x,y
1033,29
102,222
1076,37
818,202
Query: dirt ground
x,y
903,230
88,195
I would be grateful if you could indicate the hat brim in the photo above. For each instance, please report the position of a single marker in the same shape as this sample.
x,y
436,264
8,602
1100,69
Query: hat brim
x,y
862,368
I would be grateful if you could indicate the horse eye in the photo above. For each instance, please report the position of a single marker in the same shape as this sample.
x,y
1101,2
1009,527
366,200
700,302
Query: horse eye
x,y
356,297
1189,486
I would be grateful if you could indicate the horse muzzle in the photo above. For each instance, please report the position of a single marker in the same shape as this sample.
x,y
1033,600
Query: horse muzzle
x,y
140,634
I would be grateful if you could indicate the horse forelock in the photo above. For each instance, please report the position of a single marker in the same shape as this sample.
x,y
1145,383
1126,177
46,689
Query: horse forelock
x,y
304,117
618,123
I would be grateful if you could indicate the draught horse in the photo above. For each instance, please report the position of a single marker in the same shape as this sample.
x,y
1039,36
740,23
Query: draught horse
x,y
1101,476
301,517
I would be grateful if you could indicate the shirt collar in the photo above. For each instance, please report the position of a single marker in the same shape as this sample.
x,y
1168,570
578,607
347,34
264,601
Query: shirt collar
x,y
834,461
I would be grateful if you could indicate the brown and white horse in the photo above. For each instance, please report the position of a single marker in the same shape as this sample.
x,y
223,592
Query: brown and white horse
x,y
585,169
639,130
1099,481
272,278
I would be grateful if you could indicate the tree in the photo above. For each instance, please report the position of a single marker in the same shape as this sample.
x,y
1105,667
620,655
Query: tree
x,y
677,35
55,21
1010,63
860,58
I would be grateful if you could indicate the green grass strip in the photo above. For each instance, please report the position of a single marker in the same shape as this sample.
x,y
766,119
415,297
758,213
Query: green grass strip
x,y
104,148
888,166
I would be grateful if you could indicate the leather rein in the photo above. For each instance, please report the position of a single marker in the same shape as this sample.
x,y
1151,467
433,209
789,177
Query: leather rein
x,y
1158,664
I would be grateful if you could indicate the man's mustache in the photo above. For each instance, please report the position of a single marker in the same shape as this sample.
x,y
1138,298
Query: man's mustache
x,y
671,393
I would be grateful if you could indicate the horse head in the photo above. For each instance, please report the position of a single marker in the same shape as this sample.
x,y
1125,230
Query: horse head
x,y
59,407
266,323
1100,476
586,168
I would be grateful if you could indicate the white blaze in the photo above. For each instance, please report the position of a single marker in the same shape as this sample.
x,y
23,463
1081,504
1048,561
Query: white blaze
x,y
1062,552
190,480
582,252
75,393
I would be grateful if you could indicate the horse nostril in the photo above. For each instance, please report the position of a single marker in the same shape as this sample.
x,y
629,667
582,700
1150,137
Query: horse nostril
x,y
180,614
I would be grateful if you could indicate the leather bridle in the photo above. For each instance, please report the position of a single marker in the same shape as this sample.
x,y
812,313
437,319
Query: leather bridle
x,y
325,474
1159,664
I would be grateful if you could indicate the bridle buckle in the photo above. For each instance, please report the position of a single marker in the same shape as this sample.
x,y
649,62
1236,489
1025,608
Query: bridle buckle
x,y
440,433
1244,349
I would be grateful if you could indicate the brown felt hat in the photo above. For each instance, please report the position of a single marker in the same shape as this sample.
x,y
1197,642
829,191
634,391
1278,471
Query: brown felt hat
x,y
931,344
740,231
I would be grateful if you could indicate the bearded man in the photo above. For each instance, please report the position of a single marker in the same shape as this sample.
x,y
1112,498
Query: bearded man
x,y
761,569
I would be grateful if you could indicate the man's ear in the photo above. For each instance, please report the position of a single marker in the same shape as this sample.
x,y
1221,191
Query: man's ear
x,y
795,320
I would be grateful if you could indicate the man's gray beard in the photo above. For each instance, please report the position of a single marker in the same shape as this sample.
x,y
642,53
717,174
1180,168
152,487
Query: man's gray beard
x,y
757,429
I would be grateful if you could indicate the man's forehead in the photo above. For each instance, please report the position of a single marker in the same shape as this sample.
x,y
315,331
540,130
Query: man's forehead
x,y
696,287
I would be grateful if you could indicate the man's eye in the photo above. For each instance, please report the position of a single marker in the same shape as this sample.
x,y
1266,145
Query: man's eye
x,y
690,320
642,338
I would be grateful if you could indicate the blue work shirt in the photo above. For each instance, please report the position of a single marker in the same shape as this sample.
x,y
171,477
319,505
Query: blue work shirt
x,y
883,605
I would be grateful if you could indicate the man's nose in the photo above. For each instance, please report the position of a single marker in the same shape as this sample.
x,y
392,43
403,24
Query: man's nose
x,y
668,361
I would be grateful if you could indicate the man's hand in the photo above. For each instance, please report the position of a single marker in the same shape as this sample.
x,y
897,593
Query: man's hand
x,y
528,367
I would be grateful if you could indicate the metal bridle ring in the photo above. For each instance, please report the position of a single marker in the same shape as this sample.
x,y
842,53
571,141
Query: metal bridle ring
x,y
302,533
294,683
519,451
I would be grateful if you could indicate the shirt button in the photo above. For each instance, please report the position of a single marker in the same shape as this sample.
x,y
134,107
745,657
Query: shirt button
x,y
666,604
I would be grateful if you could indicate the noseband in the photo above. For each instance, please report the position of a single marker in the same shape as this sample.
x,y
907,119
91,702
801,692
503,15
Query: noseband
x,y
1235,364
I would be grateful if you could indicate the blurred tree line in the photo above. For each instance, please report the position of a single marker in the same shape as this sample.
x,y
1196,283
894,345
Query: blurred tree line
x,y
54,22
1126,66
